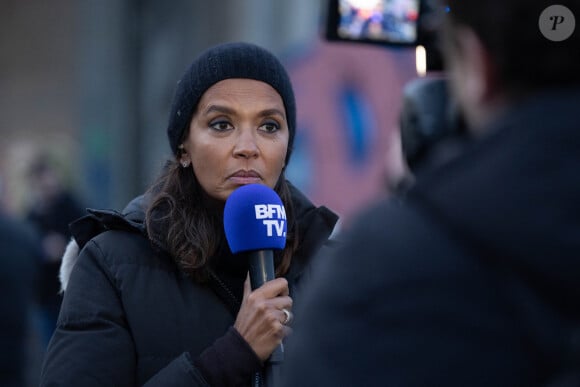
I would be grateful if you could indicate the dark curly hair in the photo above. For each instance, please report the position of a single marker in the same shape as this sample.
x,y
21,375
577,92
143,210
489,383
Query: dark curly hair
x,y
189,225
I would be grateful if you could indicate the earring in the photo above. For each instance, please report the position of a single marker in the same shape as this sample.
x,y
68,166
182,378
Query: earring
x,y
185,164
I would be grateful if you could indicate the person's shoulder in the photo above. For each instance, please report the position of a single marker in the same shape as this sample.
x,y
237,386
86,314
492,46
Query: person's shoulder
x,y
122,246
401,236
97,221
305,207
115,250
309,216
383,218
112,249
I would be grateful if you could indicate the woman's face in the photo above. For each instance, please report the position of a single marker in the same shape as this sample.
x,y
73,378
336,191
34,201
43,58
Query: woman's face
x,y
238,135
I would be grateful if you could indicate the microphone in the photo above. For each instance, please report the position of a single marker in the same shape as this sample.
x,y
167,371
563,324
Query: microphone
x,y
255,224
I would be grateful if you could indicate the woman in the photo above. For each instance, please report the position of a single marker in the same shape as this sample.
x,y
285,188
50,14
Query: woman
x,y
155,296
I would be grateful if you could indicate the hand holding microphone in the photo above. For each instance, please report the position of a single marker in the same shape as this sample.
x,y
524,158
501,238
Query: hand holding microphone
x,y
261,318
255,225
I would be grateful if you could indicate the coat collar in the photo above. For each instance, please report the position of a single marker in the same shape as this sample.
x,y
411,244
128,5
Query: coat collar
x,y
315,225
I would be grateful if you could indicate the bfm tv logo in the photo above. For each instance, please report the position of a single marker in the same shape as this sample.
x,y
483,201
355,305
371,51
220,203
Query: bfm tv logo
x,y
274,217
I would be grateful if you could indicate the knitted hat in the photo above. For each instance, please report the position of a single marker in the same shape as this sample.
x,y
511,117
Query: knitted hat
x,y
225,61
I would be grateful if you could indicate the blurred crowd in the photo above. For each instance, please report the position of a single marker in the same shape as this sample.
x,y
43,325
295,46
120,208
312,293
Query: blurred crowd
x,y
33,243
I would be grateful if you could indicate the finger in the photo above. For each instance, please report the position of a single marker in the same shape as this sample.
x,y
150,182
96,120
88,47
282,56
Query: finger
x,y
247,286
274,288
279,303
287,316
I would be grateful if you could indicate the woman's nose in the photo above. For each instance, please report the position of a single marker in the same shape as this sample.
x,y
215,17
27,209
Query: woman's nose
x,y
246,144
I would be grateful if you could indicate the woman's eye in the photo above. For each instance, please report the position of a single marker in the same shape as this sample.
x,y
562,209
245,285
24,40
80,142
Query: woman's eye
x,y
270,127
221,125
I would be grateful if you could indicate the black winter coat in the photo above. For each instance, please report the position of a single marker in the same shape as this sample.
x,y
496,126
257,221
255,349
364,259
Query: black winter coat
x,y
131,317
473,280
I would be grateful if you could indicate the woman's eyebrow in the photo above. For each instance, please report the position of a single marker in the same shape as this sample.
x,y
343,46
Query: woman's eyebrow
x,y
218,109
227,110
272,112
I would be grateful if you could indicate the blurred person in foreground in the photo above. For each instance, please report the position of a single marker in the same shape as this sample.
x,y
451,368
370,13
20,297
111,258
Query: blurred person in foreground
x,y
472,279
156,298
19,251
52,207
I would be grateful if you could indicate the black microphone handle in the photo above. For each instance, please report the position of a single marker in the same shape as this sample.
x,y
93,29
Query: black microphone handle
x,y
261,267
262,271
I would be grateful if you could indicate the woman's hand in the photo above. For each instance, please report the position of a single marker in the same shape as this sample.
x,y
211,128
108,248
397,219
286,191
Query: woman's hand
x,y
261,318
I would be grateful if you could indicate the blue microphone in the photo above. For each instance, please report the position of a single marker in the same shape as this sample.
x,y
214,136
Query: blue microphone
x,y
255,223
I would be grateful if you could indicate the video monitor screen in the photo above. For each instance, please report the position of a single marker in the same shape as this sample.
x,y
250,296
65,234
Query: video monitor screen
x,y
380,21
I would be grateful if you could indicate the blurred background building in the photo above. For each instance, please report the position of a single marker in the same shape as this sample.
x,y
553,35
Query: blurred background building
x,y
90,83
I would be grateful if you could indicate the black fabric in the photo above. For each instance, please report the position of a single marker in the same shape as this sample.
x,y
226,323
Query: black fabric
x,y
225,61
229,272
52,218
20,251
235,368
471,280
143,318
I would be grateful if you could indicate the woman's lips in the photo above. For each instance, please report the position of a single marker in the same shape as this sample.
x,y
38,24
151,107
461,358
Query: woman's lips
x,y
245,177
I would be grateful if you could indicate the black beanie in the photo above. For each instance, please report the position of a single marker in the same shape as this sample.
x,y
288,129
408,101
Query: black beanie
x,y
225,61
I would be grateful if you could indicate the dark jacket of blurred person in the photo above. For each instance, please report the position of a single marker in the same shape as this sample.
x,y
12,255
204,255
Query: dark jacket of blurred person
x,y
52,208
19,251
473,278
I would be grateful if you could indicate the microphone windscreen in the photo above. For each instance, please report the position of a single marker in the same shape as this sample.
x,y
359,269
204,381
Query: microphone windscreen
x,y
254,219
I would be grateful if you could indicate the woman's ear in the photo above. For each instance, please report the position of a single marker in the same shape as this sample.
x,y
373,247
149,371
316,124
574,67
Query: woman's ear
x,y
184,158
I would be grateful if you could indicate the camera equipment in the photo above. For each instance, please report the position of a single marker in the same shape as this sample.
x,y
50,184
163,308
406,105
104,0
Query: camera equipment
x,y
394,23
432,128
431,125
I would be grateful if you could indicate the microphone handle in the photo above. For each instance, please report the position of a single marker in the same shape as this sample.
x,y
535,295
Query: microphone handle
x,y
262,271
261,267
